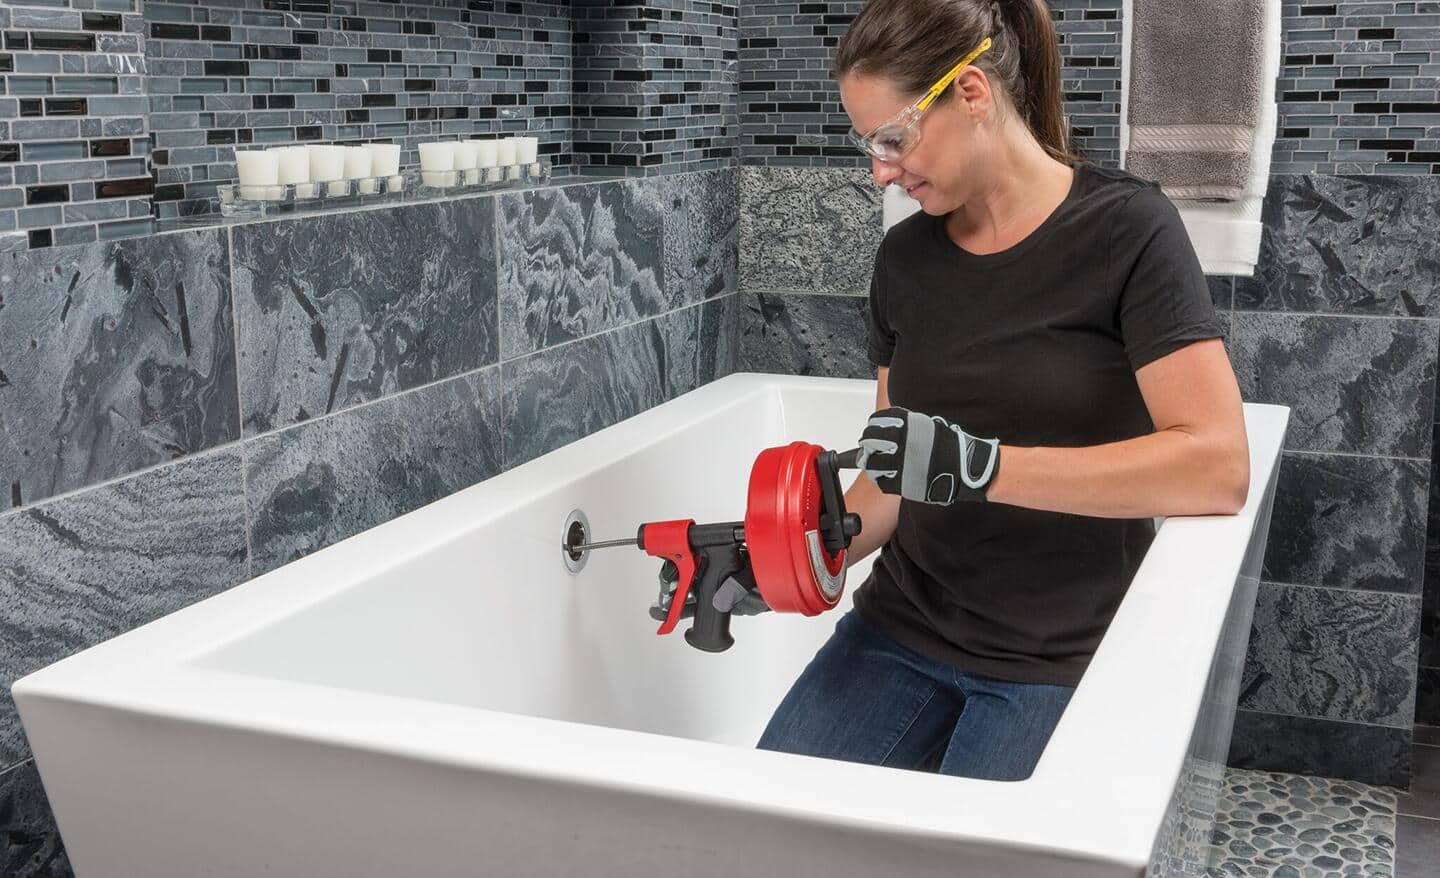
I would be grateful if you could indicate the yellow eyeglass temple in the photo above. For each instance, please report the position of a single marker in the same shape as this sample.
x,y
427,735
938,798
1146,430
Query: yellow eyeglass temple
x,y
940,86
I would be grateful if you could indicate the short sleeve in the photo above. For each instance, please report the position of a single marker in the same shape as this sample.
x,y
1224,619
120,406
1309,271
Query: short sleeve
x,y
880,345
1164,301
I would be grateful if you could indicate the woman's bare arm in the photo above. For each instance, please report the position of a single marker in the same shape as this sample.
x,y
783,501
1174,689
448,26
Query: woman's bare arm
x,y
1197,461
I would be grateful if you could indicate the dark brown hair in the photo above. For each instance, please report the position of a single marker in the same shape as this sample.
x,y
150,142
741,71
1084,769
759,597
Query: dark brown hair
x,y
915,42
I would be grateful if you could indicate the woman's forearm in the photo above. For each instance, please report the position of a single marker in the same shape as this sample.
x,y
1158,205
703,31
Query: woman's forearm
x,y
879,512
1169,472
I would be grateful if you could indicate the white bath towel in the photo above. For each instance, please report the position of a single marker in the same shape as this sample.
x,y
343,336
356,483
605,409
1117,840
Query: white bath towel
x,y
1226,236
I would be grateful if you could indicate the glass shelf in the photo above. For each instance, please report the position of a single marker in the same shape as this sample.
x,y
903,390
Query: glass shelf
x,y
237,201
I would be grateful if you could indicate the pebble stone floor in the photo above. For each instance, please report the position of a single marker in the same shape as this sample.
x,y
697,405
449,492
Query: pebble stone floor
x,y
1290,826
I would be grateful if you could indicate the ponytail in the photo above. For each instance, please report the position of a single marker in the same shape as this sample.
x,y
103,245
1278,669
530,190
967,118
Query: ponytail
x,y
1038,97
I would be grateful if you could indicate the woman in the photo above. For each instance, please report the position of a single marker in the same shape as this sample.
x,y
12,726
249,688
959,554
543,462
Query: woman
x,y
1055,305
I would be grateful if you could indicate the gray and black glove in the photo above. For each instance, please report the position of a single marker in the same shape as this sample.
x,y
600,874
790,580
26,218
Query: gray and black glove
x,y
925,458
737,595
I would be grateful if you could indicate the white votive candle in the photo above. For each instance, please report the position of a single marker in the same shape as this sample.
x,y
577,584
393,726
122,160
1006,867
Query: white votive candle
x,y
358,161
385,164
526,150
295,169
327,162
384,159
294,164
327,165
259,172
507,148
466,161
437,163
487,154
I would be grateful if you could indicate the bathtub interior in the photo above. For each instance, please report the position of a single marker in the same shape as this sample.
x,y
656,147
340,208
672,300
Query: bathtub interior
x,y
489,617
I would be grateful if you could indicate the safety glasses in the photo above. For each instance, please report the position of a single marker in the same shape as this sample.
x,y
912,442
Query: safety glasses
x,y
891,140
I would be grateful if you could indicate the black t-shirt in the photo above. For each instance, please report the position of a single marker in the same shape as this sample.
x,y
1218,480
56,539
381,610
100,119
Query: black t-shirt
x,y
1038,346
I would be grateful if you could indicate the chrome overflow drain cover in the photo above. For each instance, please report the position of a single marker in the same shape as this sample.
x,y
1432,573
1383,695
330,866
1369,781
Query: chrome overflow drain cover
x,y
576,533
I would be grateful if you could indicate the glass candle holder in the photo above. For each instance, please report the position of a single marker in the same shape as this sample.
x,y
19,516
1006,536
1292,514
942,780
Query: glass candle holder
x,y
259,173
437,163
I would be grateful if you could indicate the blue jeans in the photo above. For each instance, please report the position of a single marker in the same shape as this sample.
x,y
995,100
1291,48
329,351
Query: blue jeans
x,y
866,698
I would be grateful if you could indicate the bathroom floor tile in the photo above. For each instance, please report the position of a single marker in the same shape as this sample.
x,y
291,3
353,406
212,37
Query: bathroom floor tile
x,y
1273,825
1423,799
1417,852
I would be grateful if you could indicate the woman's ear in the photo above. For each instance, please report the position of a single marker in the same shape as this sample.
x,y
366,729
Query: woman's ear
x,y
973,87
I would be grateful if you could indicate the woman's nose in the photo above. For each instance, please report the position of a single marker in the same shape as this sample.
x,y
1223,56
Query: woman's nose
x,y
884,172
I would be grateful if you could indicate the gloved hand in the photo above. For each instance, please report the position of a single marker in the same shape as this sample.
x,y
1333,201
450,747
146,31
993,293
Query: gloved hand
x,y
925,458
737,595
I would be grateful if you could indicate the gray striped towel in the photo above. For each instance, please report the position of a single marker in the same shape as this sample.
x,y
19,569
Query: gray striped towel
x,y
1195,86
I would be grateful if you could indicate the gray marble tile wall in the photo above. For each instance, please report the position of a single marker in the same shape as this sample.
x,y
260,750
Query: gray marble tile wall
x,y
654,85
1427,686
181,412
808,238
1340,323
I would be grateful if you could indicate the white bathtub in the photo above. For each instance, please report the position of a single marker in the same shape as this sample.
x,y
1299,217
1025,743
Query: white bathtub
x,y
439,697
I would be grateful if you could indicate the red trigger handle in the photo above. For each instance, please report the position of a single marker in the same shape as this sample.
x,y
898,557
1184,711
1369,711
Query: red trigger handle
x,y
670,540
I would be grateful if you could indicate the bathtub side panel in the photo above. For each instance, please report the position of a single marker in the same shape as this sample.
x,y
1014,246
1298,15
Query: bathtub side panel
x,y
1182,847
144,796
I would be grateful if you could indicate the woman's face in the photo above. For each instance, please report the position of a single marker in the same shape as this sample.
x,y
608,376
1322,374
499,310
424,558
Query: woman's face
x,y
940,171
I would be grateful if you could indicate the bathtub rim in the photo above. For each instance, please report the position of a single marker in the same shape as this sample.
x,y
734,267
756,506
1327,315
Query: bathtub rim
x,y
1100,791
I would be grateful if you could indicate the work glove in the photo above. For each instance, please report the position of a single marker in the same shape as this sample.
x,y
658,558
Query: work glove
x,y
737,595
926,459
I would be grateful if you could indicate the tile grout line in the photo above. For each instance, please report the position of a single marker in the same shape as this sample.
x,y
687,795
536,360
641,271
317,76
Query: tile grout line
x,y
784,291
17,765
240,415
243,439
1326,719
218,221
598,333
228,447
500,422
1345,588
1312,453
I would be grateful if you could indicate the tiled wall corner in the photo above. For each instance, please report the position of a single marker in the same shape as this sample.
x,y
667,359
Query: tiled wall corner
x,y
654,86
